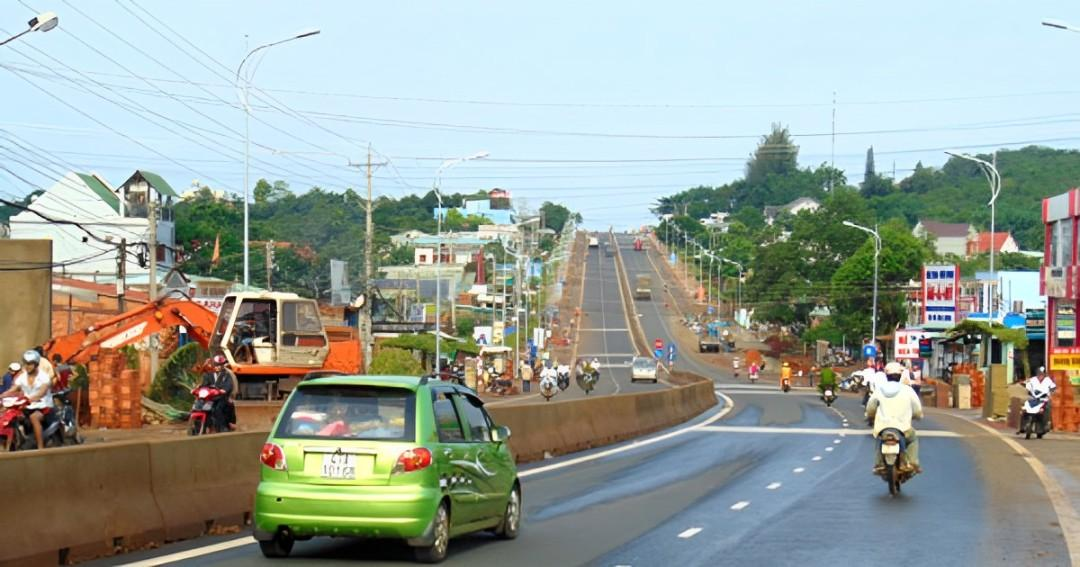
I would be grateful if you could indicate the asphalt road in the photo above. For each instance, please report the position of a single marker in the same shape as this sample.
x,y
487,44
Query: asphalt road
x,y
772,479
604,334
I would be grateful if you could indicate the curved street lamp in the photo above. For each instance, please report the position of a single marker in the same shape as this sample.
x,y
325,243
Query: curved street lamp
x,y
992,175
877,252
243,87
438,252
43,22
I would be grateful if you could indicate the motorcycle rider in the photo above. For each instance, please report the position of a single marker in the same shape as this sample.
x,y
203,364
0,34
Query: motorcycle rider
x,y
1041,385
34,384
894,405
222,378
785,374
828,380
548,382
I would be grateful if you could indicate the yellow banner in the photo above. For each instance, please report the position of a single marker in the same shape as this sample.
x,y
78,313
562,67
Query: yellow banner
x,y
1064,361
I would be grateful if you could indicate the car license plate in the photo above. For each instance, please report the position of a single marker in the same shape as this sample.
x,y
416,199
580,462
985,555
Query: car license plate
x,y
339,466
890,449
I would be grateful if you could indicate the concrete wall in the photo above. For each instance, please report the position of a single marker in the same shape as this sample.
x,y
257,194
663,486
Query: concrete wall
x,y
26,281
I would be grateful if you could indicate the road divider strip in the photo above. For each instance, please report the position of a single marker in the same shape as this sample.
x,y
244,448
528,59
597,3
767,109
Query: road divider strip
x,y
807,431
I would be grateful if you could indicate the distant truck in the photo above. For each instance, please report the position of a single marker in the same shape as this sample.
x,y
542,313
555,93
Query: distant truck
x,y
594,242
715,336
643,289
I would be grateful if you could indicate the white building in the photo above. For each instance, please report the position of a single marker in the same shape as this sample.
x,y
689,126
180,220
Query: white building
x,y
793,208
106,216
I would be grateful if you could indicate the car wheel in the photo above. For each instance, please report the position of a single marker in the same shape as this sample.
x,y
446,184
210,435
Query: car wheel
x,y
277,548
511,522
440,541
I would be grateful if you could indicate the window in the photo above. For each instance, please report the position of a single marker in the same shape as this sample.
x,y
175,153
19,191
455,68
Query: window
x,y
301,316
222,323
446,419
349,412
1066,242
478,422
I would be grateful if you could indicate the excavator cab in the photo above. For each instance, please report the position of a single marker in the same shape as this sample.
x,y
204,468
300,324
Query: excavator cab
x,y
270,334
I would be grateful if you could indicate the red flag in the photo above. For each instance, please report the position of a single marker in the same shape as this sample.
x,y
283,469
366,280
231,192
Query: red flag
x,y
216,257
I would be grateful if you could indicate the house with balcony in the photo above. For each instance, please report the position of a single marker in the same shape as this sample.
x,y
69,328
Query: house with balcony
x,y
87,220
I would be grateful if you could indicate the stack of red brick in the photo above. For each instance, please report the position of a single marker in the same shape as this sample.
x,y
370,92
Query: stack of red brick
x,y
1065,413
115,392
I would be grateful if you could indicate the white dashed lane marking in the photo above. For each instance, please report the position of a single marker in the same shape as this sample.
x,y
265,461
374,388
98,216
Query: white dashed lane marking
x,y
816,458
690,533
773,486
829,449
798,470
740,505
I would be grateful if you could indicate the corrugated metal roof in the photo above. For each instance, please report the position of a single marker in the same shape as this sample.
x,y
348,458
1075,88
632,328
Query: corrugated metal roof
x,y
101,190
158,183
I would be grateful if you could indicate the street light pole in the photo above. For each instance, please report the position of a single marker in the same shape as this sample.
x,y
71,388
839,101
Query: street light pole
x,y
877,252
738,285
42,22
247,134
991,173
438,252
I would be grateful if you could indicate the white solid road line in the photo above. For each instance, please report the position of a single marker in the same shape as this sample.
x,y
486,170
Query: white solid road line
x,y
740,505
1068,517
690,533
729,405
806,430
774,486
603,330
193,553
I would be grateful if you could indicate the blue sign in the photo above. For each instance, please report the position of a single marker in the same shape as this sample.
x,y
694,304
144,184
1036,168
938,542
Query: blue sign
x,y
869,351
658,353
672,259
671,357
711,310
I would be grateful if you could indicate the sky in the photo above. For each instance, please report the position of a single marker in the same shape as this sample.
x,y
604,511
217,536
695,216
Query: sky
x,y
601,106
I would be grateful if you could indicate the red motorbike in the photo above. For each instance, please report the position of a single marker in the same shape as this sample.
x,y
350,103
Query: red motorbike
x,y
12,411
203,419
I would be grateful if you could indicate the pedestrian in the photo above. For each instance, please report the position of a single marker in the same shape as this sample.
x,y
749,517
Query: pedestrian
x,y
916,377
526,377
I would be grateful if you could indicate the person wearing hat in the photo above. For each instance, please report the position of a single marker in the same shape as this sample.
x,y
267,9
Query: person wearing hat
x,y
9,377
894,405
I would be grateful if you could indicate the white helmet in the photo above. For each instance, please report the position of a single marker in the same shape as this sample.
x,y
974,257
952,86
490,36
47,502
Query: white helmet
x,y
31,357
894,368
14,367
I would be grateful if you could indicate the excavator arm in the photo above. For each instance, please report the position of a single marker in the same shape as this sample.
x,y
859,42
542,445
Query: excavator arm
x,y
132,326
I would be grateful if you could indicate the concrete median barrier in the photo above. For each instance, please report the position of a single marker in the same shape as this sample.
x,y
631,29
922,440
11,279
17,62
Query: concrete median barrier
x,y
206,480
556,428
77,503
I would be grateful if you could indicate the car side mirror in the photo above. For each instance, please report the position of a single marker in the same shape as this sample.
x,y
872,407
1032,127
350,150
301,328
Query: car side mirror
x,y
500,434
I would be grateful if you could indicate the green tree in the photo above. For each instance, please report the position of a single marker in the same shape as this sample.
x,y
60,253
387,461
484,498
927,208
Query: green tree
x,y
776,154
395,362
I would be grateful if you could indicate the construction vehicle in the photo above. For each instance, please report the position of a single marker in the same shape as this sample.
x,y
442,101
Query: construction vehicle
x,y
270,339
594,242
643,289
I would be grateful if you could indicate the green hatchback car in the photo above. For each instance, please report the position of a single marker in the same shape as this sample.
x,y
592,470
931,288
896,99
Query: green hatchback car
x,y
385,457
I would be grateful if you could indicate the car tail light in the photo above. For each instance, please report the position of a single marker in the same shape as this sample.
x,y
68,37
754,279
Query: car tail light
x,y
412,460
273,456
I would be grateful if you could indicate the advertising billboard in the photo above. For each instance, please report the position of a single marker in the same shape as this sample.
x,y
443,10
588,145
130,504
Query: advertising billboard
x,y
940,293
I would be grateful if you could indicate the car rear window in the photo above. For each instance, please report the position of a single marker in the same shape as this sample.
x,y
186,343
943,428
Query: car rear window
x,y
644,364
349,412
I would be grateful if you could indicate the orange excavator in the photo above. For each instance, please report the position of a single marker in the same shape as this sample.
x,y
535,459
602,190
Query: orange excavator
x,y
270,339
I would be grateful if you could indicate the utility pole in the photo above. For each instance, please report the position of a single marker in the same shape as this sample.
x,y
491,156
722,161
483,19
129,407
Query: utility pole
x,y
151,217
832,147
366,333
269,264
121,275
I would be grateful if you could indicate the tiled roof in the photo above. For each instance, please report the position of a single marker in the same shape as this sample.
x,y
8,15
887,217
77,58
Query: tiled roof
x,y
945,229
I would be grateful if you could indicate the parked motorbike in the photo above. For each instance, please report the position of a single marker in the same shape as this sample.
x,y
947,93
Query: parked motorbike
x,y
891,444
828,396
1034,419
202,419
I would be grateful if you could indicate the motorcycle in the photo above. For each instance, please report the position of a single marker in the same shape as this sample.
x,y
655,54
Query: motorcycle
x,y
202,419
892,444
1033,421
57,429
562,380
548,388
753,376
785,384
828,396
587,380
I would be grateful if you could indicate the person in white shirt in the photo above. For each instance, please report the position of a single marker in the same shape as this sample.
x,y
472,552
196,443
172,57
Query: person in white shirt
x,y
34,384
916,378
894,405
1039,385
